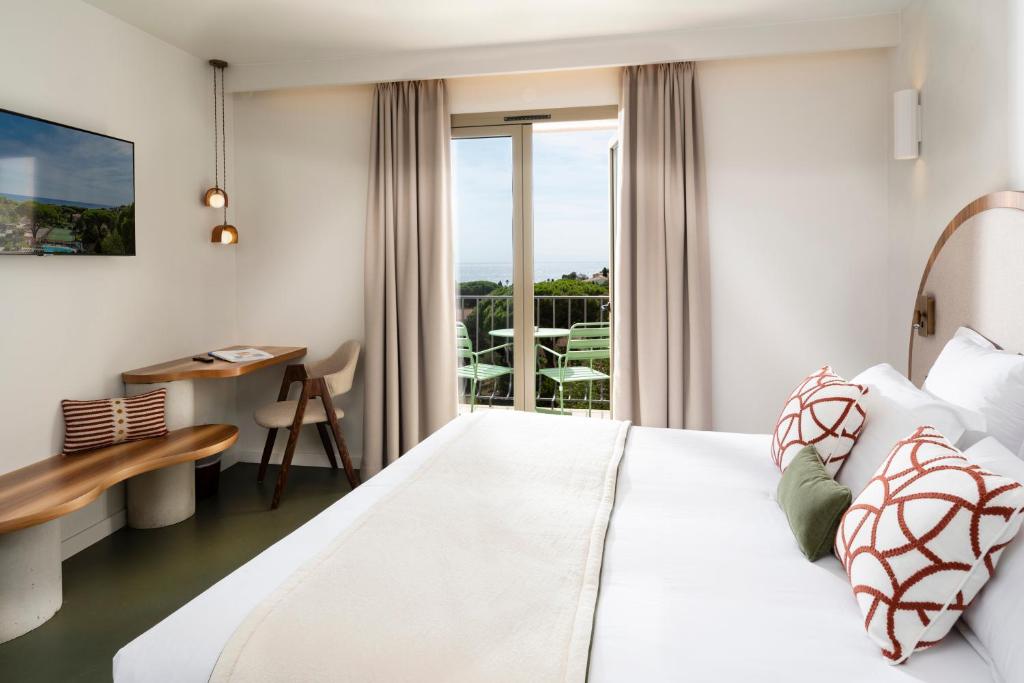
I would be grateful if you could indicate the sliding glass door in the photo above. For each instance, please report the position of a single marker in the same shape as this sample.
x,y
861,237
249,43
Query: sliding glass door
x,y
532,213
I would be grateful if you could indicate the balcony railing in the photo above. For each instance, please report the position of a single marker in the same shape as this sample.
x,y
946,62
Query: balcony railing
x,y
485,313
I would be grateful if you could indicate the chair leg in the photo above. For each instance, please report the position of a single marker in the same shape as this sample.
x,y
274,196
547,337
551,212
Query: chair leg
x,y
472,395
282,476
268,449
332,419
293,438
325,439
590,397
561,399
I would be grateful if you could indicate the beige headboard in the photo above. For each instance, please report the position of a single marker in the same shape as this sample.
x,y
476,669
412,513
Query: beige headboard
x,y
976,276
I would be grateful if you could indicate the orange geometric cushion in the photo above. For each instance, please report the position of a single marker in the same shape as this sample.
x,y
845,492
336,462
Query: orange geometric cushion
x,y
824,411
105,422
922,539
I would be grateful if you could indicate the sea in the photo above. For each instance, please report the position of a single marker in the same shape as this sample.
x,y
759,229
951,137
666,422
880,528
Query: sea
x,y
542,270
59,202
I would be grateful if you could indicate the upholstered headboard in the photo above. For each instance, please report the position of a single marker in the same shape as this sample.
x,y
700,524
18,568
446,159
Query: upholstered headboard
x,y
976,276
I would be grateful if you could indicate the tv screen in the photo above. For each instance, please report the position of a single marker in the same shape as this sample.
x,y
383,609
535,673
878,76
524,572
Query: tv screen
x,y
64,190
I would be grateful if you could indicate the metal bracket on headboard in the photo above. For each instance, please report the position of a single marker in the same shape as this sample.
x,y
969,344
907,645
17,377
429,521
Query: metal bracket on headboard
x,y
924,315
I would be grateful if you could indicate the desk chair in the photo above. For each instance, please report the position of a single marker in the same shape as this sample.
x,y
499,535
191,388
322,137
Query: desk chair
x,y
322,380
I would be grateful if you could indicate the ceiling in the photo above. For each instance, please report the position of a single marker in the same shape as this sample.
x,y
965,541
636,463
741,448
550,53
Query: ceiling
x,y
282,31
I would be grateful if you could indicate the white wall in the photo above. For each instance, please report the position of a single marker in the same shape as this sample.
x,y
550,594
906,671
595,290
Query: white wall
x,y
961,57
302,165
796,166
70,326
302,176
796,159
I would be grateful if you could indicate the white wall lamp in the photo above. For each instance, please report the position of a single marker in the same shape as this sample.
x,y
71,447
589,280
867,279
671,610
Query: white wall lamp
x,y
906,124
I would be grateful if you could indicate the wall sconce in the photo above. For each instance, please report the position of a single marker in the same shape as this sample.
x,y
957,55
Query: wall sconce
x,y
924,315
906,124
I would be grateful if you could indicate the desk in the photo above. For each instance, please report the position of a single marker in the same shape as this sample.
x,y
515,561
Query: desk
x,y
168,496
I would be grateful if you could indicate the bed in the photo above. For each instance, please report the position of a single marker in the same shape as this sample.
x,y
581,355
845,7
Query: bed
x,y
700,578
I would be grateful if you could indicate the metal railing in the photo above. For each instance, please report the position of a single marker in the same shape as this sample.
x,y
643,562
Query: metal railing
x,y
485,313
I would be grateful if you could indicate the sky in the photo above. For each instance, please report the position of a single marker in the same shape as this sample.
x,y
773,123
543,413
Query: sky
x,y
570,194
40,159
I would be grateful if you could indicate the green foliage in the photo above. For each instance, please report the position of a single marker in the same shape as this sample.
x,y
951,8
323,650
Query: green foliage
x,y
90,231
477,287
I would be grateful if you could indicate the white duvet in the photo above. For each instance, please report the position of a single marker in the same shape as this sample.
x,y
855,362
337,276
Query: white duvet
x,y
701,581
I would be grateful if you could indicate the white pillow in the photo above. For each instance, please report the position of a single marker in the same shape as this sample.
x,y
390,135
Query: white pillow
x,y
997,615
971,372
895,408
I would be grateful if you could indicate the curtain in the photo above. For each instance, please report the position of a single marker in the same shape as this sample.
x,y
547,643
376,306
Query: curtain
x,y
660,300
409,283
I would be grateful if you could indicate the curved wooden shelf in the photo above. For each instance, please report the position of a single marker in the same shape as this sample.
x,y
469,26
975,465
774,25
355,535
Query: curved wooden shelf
x,y
64,483
186,368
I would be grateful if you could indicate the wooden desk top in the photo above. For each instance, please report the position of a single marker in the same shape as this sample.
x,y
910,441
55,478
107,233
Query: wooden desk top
x,y
186,368
56,486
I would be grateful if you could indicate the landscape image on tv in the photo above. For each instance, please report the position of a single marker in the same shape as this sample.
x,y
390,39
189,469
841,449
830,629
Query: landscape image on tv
x,y
64,190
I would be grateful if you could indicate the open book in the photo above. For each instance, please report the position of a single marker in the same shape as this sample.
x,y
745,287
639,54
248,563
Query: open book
x,y
241,355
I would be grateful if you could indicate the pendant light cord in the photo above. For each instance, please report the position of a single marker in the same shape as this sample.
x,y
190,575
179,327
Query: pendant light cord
x,y
216,142
224,141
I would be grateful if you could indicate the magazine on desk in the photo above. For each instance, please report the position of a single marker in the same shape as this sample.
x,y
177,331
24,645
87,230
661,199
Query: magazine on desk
x,y
241,355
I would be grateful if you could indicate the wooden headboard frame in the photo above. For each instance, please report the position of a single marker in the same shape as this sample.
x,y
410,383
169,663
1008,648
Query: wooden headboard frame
x,y
997,200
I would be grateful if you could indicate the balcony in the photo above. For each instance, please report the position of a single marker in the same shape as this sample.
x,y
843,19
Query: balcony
x,y
487,315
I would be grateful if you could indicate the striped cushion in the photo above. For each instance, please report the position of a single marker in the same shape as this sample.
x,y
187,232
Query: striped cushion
x,y
95,424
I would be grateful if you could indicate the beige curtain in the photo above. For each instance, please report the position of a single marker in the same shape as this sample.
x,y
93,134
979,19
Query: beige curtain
x,y
409,289
660,289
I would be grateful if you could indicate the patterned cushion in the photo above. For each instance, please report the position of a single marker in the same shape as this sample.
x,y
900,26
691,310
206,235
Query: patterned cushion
x,y
922,539
824,411
95,424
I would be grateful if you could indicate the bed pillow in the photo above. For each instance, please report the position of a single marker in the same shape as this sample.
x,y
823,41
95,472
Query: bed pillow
x,y
922,540
971,372
105,422
996,617
824,411
813,502
895,407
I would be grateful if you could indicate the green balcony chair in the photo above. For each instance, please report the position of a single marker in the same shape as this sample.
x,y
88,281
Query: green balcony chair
x,y
474,370
587,342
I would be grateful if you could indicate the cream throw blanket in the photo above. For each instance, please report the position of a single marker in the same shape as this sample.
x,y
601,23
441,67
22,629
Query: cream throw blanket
x,y
482,565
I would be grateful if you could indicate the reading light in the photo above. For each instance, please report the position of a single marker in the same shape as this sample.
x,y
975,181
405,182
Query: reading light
x,y
224,234
906,125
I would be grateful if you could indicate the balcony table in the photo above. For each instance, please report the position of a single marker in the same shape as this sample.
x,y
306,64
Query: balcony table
x,y
538,333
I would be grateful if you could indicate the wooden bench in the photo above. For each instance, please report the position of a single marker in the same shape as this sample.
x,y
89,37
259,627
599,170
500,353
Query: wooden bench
x,y
34,497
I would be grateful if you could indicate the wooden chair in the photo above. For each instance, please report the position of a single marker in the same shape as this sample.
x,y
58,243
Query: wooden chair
x,y
323,380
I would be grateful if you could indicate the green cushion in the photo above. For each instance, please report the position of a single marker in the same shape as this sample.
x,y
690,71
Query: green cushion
x,y
814,503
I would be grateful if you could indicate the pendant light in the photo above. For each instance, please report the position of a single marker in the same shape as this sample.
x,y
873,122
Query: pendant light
x,y
217,197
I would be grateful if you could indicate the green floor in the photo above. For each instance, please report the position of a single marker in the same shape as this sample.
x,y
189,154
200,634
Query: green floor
x,y
117,588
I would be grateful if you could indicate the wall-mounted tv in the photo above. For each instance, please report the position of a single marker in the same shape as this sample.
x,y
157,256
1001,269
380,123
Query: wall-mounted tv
x,y
64,190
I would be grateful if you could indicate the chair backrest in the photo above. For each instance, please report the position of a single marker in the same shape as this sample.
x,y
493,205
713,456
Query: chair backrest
x,y
463,344
338,369
589,341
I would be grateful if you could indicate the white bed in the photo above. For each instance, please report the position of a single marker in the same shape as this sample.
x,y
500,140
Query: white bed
x,y
701,580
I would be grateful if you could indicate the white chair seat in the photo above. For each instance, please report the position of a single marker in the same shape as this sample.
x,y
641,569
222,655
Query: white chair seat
x,y
282,413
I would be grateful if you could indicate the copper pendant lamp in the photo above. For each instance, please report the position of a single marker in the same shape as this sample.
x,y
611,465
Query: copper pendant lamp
x,y
217,197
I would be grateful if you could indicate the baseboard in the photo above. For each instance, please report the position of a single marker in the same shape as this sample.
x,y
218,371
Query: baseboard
x,y
301,458
97,532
